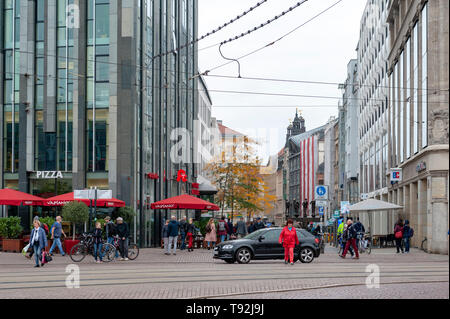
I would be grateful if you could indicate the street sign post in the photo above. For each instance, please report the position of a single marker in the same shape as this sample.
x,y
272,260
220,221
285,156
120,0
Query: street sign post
x,y
321,203
321,192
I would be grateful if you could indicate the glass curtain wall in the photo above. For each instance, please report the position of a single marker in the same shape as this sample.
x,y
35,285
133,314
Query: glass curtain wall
x,y
65,71
11,47
97,92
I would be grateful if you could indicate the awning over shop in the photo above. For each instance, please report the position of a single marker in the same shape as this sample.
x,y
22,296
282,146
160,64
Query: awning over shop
x,y
15,198
184,202
63,199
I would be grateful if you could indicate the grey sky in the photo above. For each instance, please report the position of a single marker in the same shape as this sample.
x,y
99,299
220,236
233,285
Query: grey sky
x,y
318,51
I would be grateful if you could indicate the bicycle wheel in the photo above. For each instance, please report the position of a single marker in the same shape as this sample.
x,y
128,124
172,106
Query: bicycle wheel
x,y
133,251
108,252
369,247
78,252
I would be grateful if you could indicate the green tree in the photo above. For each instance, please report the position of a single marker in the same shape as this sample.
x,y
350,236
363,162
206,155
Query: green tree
x,y
126,212
76,213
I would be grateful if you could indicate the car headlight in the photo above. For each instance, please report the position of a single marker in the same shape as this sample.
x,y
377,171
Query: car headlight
x,y
227,247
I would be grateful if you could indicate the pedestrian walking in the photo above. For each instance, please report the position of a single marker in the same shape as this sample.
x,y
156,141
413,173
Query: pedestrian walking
x,y
398,234
211,236
98,242
190,230
222,229
31,247
344,240
241,228
259,224
173,228
289,239
183,231
408,232
230,229
360,230
110,229
351,239
57,231
123,233
38,242
251,227
165,236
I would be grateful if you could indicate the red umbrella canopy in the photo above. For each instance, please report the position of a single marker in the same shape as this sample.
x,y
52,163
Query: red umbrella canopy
x,y
16,198
63,199
184,202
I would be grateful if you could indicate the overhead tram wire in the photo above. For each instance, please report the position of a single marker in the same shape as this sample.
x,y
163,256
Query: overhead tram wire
x,y
211,32
248,92
320,82
271,43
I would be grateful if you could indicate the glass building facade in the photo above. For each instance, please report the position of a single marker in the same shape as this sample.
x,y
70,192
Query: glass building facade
x,y
81,92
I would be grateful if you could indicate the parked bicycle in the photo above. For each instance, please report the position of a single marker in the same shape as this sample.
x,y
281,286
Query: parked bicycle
x,y
364,243
86,247
133,249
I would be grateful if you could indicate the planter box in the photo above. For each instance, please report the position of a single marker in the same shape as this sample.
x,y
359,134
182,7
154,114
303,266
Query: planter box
x,y
69,243
13,245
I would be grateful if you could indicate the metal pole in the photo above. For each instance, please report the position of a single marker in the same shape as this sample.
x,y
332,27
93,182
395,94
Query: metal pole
x,y
95,203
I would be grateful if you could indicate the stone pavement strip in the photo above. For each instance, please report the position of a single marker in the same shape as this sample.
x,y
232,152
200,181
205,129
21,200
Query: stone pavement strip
x,y
196,275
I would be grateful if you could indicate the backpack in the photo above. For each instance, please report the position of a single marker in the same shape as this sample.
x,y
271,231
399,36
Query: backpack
x,y
411,232
221,226
45,226
208,228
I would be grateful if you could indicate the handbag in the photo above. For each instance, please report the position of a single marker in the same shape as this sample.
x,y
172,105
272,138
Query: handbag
x,y
398,235
25,249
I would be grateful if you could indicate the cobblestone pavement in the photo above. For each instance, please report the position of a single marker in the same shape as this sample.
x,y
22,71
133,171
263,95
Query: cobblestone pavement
x,y
197,275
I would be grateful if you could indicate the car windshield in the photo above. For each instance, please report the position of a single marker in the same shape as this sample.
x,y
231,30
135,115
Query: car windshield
x,y
255,234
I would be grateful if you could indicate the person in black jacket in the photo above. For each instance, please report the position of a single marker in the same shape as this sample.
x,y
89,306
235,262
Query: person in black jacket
x,y
123,233
174,228
110,229
183,232
351,239
98,243
191,230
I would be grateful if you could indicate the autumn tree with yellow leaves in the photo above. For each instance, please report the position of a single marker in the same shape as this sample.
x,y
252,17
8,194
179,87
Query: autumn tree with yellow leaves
x,y
236,174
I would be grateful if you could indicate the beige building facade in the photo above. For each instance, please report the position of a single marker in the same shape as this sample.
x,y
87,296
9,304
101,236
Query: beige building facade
x,y
419,118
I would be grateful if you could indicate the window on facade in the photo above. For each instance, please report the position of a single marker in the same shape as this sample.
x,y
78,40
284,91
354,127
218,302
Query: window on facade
x,y
424,103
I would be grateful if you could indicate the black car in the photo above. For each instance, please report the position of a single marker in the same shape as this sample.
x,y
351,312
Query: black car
x,y
263,244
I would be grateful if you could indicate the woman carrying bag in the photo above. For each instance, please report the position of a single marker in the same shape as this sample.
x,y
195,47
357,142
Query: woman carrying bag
x,y
38,242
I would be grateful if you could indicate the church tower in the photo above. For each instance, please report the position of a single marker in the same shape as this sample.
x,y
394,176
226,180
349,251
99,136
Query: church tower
x,y
298,126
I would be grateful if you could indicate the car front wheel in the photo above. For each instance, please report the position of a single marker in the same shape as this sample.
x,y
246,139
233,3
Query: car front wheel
x,y
243,255
306,255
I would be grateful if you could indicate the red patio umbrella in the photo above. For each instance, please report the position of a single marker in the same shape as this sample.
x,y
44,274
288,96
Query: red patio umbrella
x,y
184,202
63,199
15,198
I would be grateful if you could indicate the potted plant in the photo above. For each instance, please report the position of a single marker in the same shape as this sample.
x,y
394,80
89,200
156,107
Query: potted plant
x,y
10,230
76,213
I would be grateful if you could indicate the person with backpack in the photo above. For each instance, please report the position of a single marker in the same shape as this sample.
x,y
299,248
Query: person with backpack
x,y
351,239
38,242
57,231
398,234
408,232
211,236
222,229
230,229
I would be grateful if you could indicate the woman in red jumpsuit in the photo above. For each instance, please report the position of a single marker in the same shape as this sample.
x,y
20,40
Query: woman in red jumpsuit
x,y
289,239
